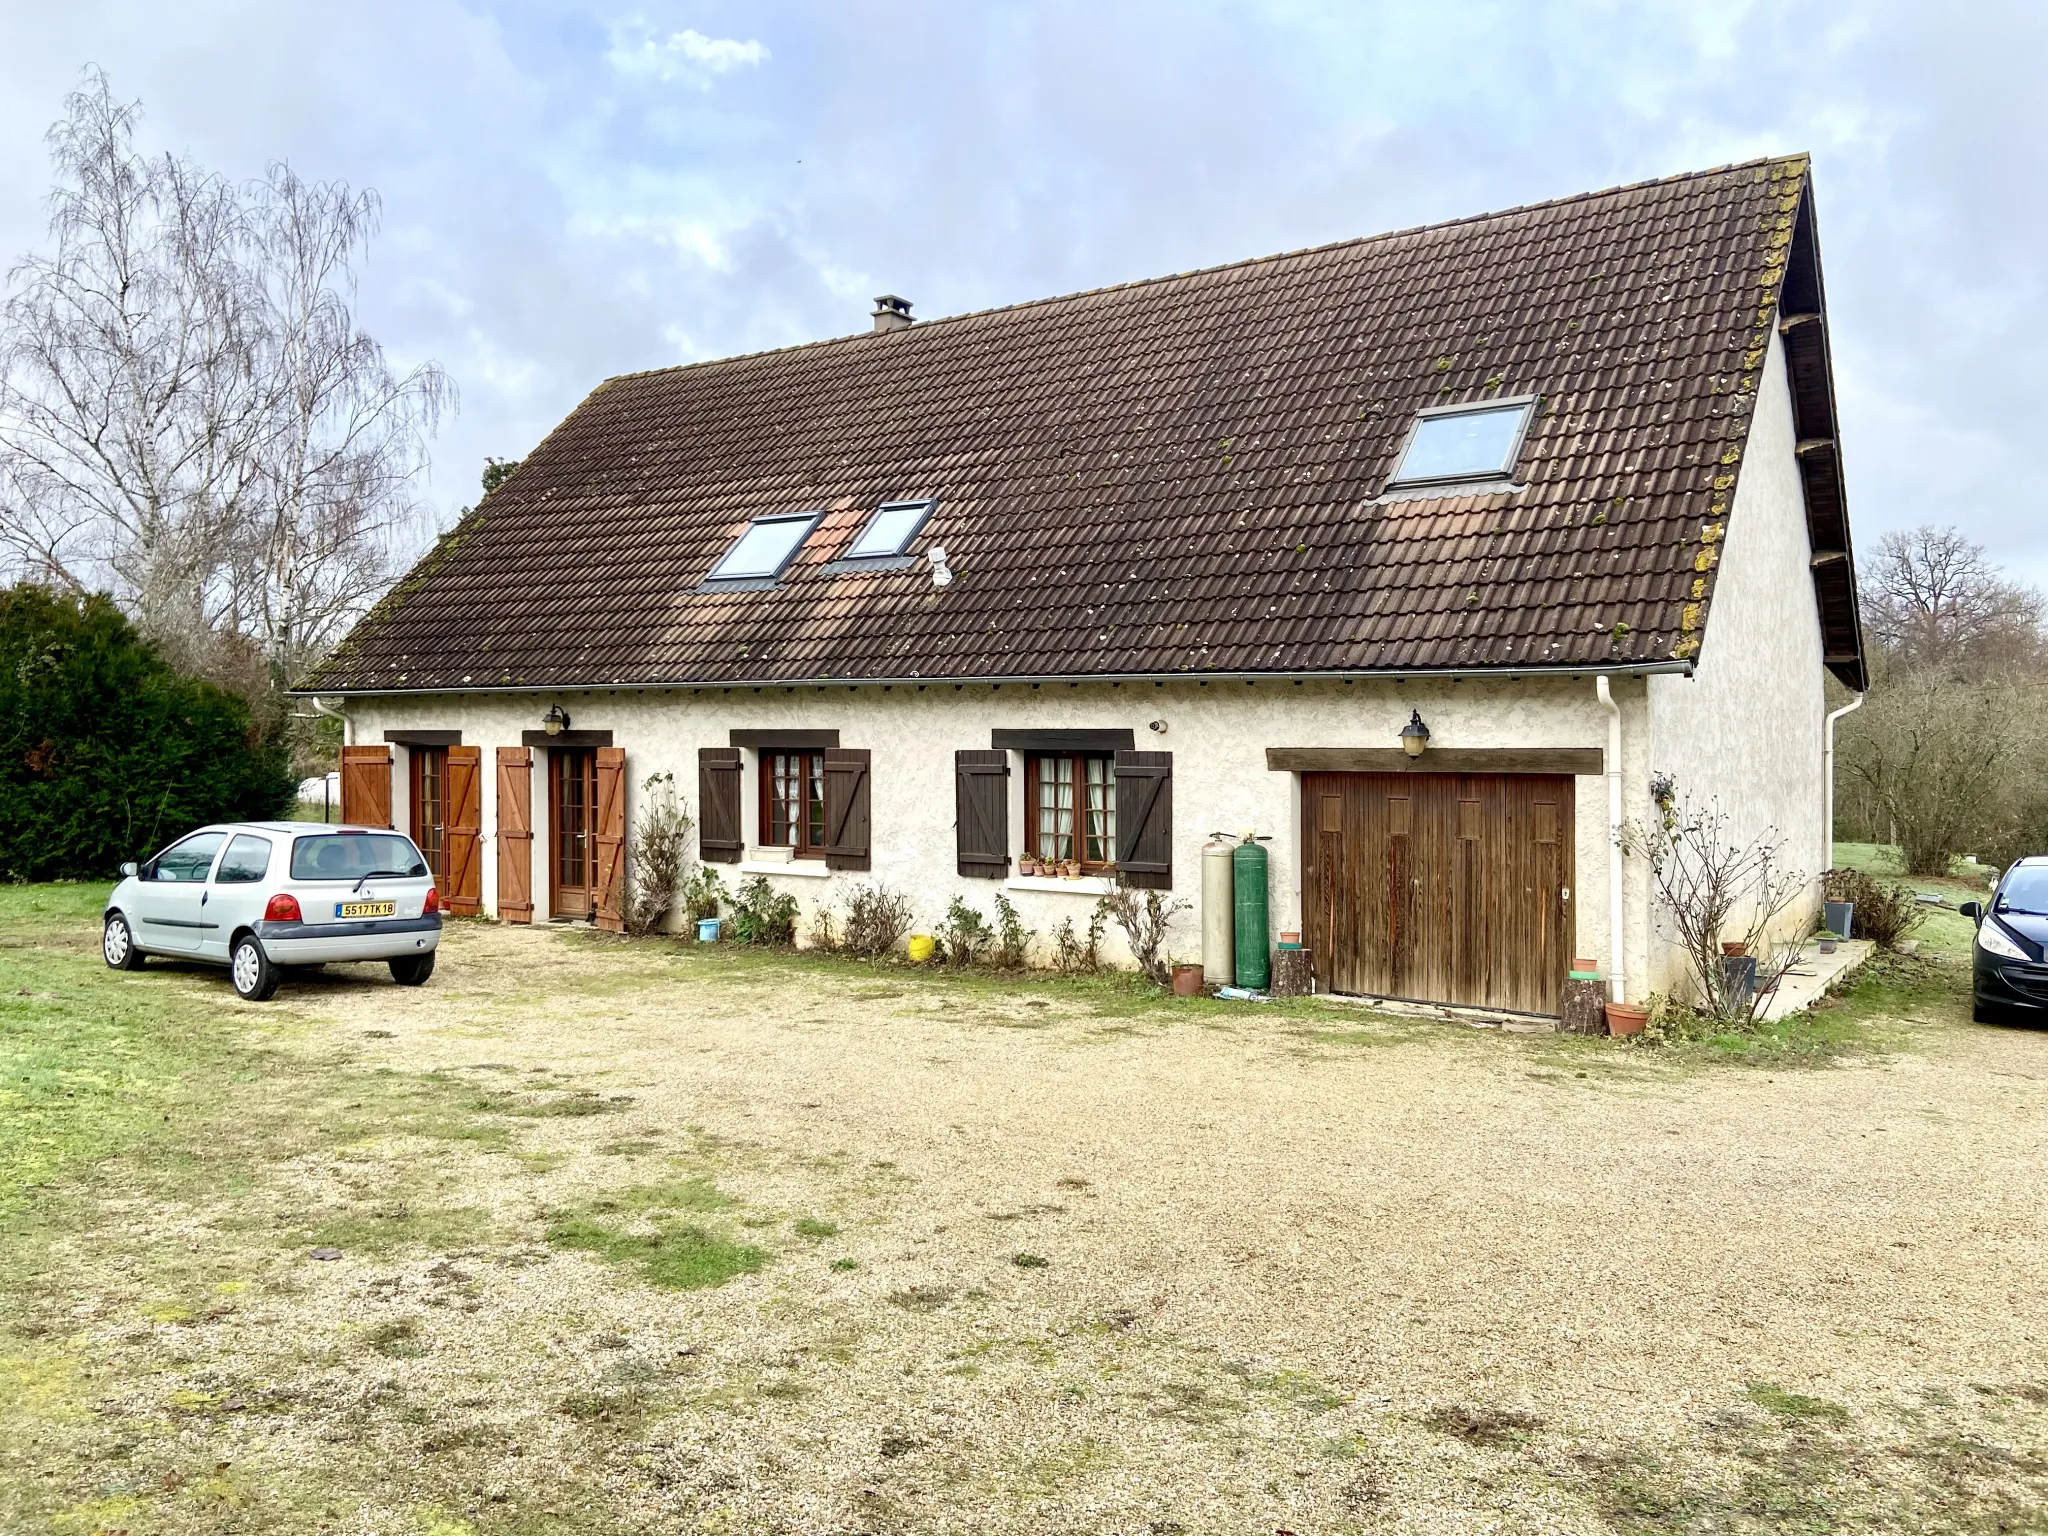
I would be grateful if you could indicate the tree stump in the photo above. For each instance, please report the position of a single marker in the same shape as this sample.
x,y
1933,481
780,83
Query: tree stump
x,y
1294,973
1585,1008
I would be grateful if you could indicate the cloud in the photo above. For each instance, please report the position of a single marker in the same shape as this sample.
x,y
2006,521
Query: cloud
x,y
687,57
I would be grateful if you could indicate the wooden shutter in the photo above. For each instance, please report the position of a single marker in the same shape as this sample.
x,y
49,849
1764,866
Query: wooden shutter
x,y
465,893
981,813
720,837
610,825
848,820
1144,819
515,834
366,786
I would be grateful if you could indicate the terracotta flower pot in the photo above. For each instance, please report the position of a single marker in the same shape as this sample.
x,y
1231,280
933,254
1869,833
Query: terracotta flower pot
x,y
1585,963
1290,936
1626,1019
1737,948
1187,981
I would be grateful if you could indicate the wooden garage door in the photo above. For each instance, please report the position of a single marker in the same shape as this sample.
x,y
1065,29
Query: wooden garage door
x,y
1443,888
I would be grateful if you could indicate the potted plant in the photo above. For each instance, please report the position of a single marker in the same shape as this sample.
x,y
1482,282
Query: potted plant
x,y
1626,1018
1028,865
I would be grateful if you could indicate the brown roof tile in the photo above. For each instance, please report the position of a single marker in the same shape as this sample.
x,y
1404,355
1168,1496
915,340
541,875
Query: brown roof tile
x,y
1173,477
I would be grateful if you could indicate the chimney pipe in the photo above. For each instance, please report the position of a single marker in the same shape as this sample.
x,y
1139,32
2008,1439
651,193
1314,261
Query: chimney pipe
x,y
891,313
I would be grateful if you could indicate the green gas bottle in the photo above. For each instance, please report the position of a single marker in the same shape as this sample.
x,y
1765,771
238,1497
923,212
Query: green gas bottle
x,y
1248,904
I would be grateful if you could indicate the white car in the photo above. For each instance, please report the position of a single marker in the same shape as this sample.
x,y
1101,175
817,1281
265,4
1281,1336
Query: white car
x,y
259,896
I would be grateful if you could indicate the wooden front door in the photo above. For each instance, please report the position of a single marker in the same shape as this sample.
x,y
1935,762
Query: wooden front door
x,y
1441,888
430,808
572,831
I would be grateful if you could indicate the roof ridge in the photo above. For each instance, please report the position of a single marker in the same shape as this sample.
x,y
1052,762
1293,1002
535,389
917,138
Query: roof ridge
x,y
1226,266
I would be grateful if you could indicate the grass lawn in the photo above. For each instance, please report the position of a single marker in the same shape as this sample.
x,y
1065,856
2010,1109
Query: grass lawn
x,y
595,1235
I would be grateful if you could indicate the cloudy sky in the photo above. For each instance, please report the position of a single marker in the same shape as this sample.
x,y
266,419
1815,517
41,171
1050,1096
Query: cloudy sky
x,y
573,191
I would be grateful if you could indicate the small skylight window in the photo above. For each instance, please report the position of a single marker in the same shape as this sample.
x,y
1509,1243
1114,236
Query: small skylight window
x,y
765,548
890,530
1465,442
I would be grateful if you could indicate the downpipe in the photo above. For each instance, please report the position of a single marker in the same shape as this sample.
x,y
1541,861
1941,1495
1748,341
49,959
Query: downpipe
x,y
1828,836
1617,986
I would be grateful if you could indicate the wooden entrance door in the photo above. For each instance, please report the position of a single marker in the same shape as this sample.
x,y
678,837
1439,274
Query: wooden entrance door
x,y
430,808
572,831
1442,888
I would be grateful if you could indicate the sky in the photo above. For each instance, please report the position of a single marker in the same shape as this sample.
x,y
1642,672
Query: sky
x,y
574,191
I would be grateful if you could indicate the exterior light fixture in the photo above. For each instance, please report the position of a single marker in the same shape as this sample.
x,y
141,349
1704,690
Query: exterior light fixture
x,y
1414,735
555,721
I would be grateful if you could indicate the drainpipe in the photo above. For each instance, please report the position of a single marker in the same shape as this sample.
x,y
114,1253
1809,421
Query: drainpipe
x,y
1828,835
348,728
1617,928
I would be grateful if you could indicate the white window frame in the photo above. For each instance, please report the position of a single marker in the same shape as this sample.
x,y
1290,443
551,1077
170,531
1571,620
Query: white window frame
x,y
1428,413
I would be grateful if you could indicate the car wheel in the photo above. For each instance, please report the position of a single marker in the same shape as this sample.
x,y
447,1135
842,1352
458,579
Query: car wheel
x,y
412,970
254,976
117,943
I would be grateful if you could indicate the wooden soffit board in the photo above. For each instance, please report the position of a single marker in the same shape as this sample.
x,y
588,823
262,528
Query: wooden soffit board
x,y
1579,762
823,738
1112,740
565,739
424,738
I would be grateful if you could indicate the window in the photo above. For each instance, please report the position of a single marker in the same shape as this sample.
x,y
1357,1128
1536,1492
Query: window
x,y
430,806
1465,442
189,860
2025,891
1071,810
793,802
246,861
890,530
352,855
768,545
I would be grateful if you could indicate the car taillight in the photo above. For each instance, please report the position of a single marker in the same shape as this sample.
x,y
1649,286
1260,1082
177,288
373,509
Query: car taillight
x,y
283,908
432,904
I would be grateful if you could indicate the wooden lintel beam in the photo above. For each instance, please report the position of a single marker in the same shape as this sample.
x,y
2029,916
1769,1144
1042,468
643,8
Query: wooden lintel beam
x,y
1787,322
1841,658
1823,557
1808,445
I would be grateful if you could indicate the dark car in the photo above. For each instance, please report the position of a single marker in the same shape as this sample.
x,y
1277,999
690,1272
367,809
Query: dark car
x,y
2010,957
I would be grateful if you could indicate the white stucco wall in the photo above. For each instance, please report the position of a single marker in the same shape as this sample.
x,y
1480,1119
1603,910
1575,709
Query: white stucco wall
x,y
1745,730
1218,735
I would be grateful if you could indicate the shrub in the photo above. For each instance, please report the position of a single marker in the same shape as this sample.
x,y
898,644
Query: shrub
x,y
763,915
1013,939
106,753
1885,910
965,933
659,853
703,893
876,917
1072,953
1144,922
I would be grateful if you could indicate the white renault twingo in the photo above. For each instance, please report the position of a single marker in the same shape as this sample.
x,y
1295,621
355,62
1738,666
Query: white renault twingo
x,y
259,896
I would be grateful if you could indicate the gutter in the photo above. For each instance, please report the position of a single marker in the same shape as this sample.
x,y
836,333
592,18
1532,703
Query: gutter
x,y
347,727
1389,674
1617,985
1828,830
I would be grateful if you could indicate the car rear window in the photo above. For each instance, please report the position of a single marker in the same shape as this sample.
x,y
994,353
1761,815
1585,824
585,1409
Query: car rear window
x,y
2025,890
352,855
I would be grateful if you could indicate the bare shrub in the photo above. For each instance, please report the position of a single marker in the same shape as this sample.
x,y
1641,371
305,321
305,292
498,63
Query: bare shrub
x,y
657,856
703,893
1013,939
1885,911
1711,890
1074,953
1144,922
876,918
965,933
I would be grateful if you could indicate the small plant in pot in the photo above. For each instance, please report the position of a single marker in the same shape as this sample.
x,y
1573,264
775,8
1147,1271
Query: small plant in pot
x,y
1028,865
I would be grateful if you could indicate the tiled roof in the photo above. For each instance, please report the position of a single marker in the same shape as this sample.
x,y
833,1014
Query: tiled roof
x,y
1180,476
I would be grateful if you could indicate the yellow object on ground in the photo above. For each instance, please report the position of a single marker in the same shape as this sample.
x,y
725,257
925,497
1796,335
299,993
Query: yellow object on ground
x,y
920,947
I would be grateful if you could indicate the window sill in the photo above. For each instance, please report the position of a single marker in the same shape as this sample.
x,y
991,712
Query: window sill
x,y
1082,885
808,869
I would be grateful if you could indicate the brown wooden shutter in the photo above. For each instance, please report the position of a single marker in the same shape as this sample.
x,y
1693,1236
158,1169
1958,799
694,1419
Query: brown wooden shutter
x,y
720,835
515,834
848,820
366,786
1144,819
465,894
981,813
610,825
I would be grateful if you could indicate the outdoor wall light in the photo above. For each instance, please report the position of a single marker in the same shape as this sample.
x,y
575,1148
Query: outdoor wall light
x,y
555,721
1414,735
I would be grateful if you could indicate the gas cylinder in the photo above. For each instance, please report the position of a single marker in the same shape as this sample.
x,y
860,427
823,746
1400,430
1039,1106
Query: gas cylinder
x,y
1217,917
1254,965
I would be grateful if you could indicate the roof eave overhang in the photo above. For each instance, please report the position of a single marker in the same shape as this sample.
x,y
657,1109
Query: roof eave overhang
x,y
703,685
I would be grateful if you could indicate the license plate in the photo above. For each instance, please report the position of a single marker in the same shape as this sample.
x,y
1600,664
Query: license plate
x,y
365,908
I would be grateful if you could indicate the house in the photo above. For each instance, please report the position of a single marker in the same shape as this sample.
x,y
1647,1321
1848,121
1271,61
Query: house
x,y
1094,578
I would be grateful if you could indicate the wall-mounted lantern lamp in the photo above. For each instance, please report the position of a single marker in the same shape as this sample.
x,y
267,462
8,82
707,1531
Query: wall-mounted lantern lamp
x,y
1414,735
555,721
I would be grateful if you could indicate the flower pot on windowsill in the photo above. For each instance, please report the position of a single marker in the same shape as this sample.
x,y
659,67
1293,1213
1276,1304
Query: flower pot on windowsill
x,y
1029,869
1626,1019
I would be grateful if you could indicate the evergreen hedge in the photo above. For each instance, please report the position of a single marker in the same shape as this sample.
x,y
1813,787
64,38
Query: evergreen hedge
x,y
106,752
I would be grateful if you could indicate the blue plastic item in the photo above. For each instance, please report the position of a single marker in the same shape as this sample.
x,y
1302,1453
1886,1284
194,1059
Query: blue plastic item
x,y
707,929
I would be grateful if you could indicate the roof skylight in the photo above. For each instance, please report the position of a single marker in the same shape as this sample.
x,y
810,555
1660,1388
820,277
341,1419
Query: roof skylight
x,y
765,548
890,530
1465,442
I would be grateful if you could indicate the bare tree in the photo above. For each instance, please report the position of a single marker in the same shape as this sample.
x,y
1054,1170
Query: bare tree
x,y
1932,598
189,417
